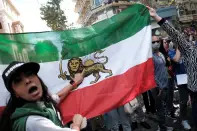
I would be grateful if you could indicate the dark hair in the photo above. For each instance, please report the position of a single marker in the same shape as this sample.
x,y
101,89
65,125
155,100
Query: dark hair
x,y
14,102
164,52
162,49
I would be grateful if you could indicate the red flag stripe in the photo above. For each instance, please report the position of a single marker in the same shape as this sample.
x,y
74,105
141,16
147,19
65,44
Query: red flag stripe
x,y
109,93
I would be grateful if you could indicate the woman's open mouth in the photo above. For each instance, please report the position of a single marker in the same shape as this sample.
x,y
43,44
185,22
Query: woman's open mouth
x,y
33,89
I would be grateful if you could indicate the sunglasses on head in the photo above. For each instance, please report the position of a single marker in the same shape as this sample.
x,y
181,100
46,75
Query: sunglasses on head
x,y
153,42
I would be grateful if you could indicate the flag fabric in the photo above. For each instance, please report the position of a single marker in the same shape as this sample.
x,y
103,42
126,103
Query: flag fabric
x,y
115,54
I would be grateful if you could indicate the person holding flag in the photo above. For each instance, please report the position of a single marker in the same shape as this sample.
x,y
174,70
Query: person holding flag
x,y
31,107
188,51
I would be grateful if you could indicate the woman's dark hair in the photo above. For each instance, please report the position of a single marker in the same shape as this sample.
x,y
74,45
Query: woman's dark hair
x,y
164,52
14,102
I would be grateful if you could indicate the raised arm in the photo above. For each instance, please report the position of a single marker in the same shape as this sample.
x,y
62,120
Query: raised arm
x,y
177,56
174,34
72,85
40,123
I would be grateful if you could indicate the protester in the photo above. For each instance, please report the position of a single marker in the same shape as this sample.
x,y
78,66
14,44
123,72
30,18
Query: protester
x,y
179,68
189,52
164,48
161,78
31,107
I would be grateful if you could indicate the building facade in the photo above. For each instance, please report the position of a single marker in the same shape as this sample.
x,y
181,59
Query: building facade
x,y
187,12
10,23
9,18
92,11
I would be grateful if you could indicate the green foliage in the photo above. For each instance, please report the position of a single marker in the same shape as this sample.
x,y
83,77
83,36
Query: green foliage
x,y
53,15
46,51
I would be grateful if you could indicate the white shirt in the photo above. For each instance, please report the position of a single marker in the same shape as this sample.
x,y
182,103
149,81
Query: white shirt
x,y
39,123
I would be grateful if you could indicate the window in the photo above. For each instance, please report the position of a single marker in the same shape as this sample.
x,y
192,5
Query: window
x,y
193,12
97,3
1,26
181,12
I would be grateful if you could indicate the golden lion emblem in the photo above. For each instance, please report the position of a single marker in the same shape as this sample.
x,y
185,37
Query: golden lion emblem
x,y
89,67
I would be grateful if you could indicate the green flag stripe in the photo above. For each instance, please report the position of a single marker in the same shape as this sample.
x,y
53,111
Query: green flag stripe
x,y
44,46
105,33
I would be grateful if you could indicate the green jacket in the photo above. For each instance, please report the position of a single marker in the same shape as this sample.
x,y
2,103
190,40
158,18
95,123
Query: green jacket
x,y
19,117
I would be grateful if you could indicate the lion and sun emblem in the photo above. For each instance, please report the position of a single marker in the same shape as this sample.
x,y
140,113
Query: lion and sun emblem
x,y
89,67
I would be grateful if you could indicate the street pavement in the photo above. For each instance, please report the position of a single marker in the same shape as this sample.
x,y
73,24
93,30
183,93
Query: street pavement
x,y
176,124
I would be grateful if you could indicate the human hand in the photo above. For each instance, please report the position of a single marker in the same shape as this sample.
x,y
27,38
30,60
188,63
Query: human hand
x,y
153,14
168,59
78,78
151,11
77,120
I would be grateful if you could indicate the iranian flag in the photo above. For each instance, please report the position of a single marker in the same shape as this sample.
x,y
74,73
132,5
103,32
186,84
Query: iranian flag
x,y
115,54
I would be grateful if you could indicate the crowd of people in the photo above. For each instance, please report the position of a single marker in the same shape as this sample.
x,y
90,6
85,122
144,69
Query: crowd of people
x,y
32,108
